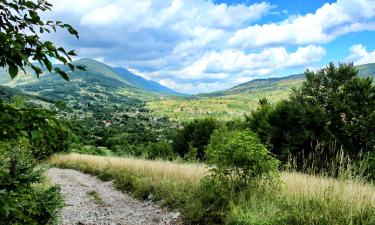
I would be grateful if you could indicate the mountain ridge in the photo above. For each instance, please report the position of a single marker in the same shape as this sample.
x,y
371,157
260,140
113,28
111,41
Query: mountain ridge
x,y
280,83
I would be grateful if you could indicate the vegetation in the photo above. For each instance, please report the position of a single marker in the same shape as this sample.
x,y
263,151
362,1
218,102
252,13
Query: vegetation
x,y
223,108
29,134
96,197
239,164
317,130
191,140
253,164
301,198
333,111
20,34
45,133
237,101
24,198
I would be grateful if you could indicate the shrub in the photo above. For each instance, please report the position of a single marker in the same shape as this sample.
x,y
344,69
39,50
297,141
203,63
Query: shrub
x,y
161,150
195,134
45,133
23,200
240,156
239,163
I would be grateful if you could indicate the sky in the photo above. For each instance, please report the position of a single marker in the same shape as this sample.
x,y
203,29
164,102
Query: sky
x,y
196,46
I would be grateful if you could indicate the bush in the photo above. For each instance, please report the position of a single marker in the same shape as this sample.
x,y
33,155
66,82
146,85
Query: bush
x,y
161,150
23,200
239,164
240,157
45,133
194,135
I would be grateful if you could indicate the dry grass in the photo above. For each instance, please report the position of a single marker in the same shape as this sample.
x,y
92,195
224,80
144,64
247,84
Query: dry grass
x,y
354,193
303,199
295,184
162,170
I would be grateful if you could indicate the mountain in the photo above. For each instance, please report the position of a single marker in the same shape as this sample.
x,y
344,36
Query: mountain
x,y
280,83
96,72
142,83
98,87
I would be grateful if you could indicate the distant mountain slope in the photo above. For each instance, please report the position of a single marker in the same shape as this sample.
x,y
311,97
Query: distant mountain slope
x,y
281,83
367,70
142,83
99,86
96,72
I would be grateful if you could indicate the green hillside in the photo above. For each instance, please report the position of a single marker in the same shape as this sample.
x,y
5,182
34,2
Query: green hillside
x,y
236,101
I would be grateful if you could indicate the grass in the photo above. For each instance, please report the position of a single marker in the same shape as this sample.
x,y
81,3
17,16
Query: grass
x,y
222,108
302,199
96,197
167,181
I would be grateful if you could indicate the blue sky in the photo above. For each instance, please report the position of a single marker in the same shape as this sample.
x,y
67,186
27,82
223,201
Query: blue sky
x,y
197,46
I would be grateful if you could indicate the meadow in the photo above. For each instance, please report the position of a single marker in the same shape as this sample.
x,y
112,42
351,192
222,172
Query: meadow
x,y
301,199
223,108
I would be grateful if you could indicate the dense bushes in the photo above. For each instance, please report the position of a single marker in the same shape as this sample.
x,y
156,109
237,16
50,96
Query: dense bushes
x,y
194,136
161,150
334,110
45,133
26,136
23,199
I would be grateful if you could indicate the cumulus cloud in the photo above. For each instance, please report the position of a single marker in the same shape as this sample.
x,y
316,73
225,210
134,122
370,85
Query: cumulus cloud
x,y
200,45
327,23
359,55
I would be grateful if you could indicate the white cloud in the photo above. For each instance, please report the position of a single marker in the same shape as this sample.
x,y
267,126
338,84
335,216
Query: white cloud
x,y
359,55
327,23
219,64
232,67
200,45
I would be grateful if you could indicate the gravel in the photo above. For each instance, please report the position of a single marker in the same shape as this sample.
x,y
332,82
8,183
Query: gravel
x,y
90,201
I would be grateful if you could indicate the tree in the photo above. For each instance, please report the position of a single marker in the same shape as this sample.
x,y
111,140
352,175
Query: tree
x,y
20,38
348,102
194,135
334,110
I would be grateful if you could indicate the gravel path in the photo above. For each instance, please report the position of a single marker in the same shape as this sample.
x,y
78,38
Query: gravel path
x,y
90,201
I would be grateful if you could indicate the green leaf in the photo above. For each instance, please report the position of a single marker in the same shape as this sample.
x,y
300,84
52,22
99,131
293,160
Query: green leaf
x,y
73,31
35,134
13,70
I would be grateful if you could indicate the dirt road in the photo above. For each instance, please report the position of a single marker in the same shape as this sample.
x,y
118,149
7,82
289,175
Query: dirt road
x,y
90,201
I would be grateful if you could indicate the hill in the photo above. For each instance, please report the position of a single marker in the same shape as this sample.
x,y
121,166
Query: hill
x,y
96,72
236,101
140,82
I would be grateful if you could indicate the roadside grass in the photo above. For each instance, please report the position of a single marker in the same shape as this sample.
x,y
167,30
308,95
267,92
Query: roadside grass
x,y
157,180
96,197
302,199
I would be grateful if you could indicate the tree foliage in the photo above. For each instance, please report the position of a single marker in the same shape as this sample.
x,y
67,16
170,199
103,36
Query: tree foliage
x,y
21,44
334,107
195,135
23,200
46,134
240,156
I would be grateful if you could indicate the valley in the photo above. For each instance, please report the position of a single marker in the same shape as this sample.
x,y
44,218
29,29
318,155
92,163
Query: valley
x,y
158,145
99,126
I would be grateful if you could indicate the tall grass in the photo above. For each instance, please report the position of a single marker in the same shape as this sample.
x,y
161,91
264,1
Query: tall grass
x,y
303,199
157,180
